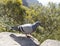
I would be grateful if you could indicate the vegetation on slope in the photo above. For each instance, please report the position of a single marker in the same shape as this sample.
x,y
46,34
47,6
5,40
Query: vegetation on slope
x,y
12,12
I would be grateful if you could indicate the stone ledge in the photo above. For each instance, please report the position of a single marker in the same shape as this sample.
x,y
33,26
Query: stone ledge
x,y
50,42
14,39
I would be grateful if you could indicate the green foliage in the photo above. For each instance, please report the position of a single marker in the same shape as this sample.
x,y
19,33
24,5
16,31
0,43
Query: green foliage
x,y
12,13
49,17
15,11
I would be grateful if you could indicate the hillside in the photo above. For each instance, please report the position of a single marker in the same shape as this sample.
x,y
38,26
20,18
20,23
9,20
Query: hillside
x,y
14,13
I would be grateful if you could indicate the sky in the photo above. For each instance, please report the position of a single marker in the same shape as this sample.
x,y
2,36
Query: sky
x,y
45,2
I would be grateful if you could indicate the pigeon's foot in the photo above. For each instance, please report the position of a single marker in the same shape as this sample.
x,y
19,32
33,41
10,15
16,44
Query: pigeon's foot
x,y
28,37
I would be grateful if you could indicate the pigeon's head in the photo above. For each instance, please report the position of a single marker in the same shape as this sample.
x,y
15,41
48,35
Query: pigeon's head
x,y
14,28
38,23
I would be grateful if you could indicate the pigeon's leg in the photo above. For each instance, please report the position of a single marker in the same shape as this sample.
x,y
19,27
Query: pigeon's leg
x,y
27,35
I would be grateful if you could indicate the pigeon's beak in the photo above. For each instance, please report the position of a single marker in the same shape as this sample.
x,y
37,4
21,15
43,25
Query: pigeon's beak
x,y
40,24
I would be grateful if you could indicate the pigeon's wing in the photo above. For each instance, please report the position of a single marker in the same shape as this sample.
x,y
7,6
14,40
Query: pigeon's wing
x,y
27,28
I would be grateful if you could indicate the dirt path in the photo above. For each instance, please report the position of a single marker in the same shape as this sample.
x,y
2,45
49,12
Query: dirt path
x,y
13,39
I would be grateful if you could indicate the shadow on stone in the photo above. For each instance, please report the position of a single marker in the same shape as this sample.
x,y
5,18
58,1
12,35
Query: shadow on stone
x,y
23,41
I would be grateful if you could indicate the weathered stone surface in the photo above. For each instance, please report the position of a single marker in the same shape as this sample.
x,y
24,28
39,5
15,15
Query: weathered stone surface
x,y
14,39
50,43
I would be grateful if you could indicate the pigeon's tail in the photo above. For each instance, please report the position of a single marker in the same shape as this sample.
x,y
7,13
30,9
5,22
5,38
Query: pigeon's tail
x,y
15,28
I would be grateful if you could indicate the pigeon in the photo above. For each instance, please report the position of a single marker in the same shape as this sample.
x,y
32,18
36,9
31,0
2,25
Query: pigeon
x,y
27,28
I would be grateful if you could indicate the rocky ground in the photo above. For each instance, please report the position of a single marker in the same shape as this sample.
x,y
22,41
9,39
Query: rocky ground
x,y
15,39
50,42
